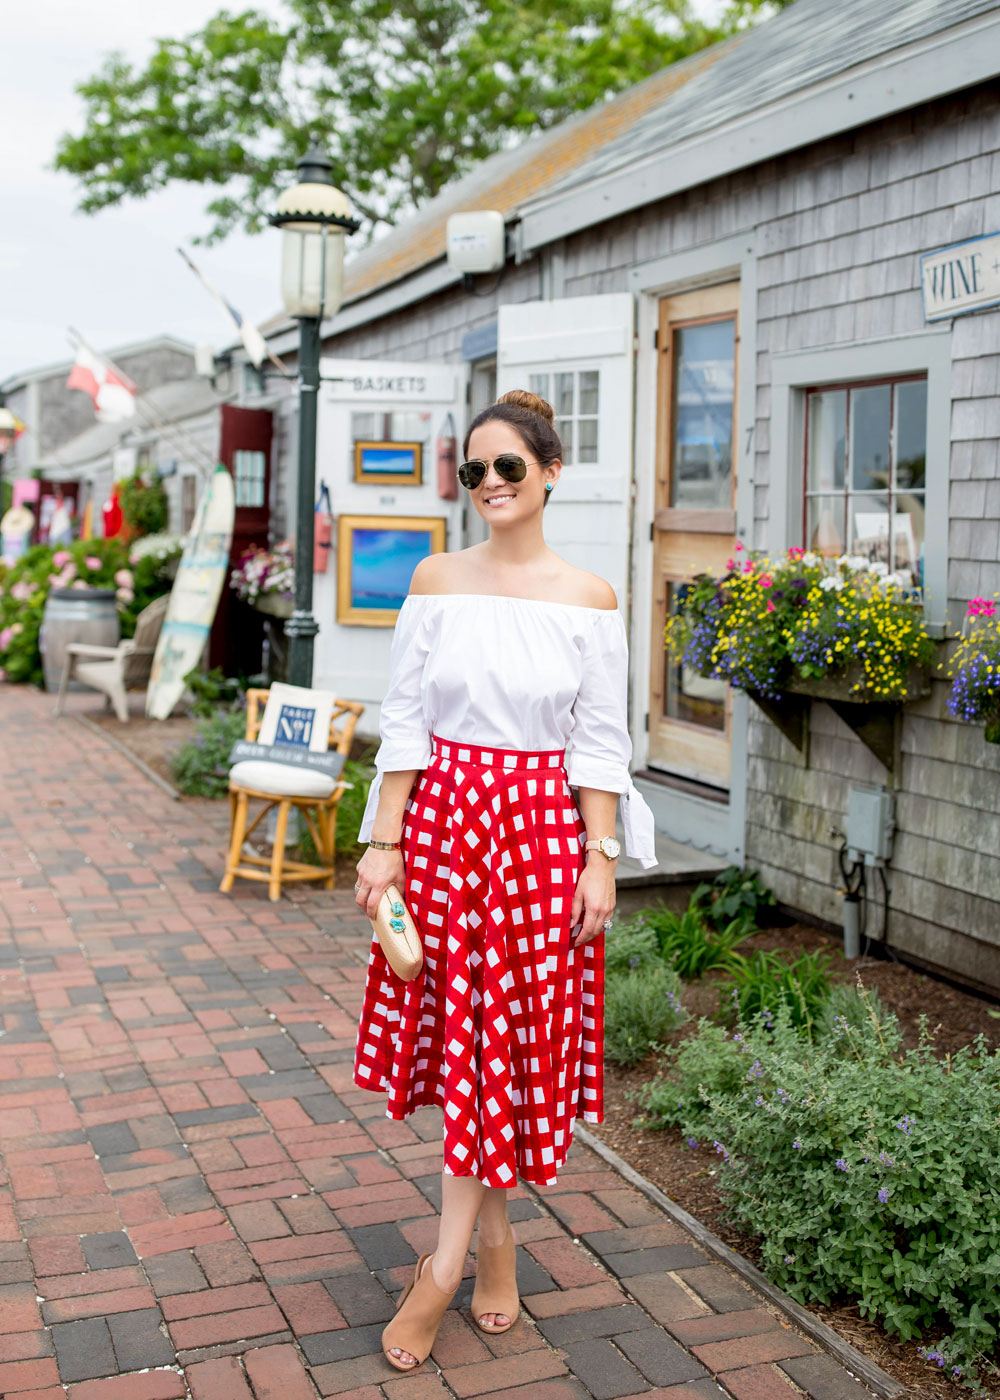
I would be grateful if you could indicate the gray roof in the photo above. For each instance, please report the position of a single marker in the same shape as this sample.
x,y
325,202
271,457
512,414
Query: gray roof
x,y
173,402
810,42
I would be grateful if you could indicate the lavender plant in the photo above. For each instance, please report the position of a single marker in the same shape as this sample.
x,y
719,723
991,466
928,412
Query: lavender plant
x,y
868,1174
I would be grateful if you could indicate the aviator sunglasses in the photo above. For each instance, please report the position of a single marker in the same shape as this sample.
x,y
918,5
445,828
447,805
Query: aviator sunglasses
x,y
508,466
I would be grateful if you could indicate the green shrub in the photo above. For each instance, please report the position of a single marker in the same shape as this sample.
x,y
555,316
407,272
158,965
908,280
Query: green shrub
x,y
849,1008
641,1008
734,895
200,767
685,941
210,689
630,946
868,1174
145,508
763,982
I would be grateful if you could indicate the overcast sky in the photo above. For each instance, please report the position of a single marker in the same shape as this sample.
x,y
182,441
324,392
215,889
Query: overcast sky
x,y
115,275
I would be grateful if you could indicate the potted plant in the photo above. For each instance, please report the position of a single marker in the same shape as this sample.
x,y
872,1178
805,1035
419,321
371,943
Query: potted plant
x,y
975,669
266,579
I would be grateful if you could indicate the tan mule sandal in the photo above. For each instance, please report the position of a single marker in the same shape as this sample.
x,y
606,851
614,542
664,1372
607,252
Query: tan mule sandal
x,y
496,1283
419,1311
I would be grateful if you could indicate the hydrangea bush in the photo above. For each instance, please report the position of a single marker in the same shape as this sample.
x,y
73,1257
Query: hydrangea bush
x,y
24,587
763,622
975,669
868,1173
265,572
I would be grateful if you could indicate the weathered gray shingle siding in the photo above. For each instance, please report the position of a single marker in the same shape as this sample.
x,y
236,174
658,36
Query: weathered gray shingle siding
x,y
839,229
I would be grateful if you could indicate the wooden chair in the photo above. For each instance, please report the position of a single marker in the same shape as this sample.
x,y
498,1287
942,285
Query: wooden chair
x,y
318,810
115,670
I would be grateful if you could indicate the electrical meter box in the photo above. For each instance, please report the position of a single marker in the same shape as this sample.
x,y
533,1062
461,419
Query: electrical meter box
x,y
475,241
870,824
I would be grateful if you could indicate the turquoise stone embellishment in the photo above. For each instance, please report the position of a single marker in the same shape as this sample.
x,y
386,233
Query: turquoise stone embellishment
x,y
396,908
397,925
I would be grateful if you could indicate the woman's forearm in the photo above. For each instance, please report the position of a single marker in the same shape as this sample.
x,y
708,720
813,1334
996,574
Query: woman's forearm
x,y
599,810
392,799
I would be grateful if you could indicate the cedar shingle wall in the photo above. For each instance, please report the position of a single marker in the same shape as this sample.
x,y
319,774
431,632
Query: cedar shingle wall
x,y
839,229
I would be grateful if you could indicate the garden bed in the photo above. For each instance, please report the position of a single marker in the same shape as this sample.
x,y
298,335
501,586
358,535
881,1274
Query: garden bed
x,y
689,1177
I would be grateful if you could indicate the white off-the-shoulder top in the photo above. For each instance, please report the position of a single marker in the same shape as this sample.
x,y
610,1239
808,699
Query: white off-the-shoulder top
x,y
513,673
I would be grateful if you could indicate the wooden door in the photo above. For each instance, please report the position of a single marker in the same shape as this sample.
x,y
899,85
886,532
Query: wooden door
x,y
694,518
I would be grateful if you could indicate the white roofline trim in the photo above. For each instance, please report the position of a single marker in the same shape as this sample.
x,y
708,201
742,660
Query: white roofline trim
x,y
437,277
894,82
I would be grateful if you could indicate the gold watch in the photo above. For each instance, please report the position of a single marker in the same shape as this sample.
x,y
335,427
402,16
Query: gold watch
x,y
607,845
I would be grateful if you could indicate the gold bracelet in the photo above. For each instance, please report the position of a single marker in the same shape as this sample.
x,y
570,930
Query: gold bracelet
x,y
384,845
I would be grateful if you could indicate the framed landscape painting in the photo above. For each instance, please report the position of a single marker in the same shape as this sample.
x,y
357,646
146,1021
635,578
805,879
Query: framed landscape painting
x,y
376,556
388,463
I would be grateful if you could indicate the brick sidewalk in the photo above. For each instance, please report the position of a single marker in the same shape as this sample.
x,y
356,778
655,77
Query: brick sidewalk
x,y
195,1200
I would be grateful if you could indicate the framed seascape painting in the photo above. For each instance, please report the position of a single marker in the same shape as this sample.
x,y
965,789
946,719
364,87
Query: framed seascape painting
x,y
376,556
388,463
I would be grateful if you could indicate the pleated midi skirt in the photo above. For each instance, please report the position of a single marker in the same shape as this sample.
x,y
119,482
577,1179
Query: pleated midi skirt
x,y
504,1028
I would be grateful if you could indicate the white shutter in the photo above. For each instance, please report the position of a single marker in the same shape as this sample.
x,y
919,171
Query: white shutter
x,y
577,353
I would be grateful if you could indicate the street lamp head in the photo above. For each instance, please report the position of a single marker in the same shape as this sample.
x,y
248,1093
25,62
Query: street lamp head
x,y
314,217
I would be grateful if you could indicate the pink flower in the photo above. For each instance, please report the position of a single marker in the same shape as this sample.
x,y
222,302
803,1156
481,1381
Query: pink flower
x,y
92,561
61,557
770,606
123,578
6,637
748,567
796,552
982,607
22,590
125,595
730,563
766,581
739,547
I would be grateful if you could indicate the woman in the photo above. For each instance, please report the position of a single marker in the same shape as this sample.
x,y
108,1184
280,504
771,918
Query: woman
x,y
502,653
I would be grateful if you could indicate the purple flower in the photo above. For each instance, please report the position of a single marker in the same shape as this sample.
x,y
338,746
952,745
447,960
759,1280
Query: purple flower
x,y
905,1124
692,1142
883,1195
797,1145
842,1164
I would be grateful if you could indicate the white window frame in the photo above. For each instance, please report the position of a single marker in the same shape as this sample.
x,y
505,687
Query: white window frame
x,y
793,372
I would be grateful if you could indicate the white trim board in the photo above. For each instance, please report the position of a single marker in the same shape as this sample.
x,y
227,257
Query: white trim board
x,y
893,82
715,826
794,371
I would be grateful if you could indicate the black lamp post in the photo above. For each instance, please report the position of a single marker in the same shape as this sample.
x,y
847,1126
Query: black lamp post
x,y
314,217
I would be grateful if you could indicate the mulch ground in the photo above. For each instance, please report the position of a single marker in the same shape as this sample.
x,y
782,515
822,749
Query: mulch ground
x,y
689,1176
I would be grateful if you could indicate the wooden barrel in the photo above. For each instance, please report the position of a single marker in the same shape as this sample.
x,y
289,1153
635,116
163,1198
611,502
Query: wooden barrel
x,y
75,615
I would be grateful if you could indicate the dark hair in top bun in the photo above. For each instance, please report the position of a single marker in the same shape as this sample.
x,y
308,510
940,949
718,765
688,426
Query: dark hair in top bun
x,y
529,416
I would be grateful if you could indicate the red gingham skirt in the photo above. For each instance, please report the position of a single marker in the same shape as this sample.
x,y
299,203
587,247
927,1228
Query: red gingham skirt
x,y
504,1028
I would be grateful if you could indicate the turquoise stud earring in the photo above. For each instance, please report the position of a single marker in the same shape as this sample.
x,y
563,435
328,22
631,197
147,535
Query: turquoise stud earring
x,y
548,485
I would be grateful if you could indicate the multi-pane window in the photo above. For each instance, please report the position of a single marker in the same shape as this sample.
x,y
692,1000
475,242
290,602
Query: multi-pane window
x,y
575,396
250,477
865,472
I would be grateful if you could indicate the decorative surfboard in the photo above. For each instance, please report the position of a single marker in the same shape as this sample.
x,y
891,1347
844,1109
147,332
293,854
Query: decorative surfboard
x,y
201,576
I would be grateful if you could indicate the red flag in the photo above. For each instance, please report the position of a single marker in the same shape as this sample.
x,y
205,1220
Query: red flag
x,y
113,394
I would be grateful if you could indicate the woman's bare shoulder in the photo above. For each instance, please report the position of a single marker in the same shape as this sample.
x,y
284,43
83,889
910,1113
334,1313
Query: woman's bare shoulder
x,y
587,590
443,573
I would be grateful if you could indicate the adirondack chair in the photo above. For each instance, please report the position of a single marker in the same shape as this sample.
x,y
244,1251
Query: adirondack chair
x,y
312,794
115,669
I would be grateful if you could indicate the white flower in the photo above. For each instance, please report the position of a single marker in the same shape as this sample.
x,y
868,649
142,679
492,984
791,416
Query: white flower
x,y
810,560
879,569
855,562
831,583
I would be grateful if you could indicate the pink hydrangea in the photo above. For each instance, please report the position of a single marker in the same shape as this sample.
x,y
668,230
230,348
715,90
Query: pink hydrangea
x,y
22,590
123,578
60,558
92,561
6,637
124,595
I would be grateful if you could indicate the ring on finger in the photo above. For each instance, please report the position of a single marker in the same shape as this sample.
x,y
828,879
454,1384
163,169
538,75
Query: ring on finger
x,y
608,925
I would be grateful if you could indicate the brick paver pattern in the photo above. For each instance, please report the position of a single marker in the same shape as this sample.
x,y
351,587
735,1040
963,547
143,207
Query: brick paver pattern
x,y
194,1199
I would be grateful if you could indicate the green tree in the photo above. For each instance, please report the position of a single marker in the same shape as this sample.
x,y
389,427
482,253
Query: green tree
x,y
404,94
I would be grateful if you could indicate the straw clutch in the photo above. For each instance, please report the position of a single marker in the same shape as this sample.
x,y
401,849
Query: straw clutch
x,y
397,935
